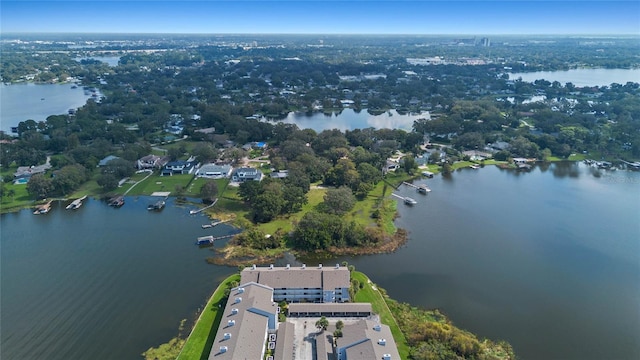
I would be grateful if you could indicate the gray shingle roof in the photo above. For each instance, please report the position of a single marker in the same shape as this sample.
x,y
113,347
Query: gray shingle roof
x,y
245,337
326,278
361,341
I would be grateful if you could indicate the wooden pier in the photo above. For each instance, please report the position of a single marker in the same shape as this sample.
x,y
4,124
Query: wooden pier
x,y
407,200
193,212
209,239
43,209
423,189
116,201
213,224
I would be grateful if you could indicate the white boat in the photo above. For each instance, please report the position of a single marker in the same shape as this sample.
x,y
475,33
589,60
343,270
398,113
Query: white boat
x,y
475,166
423,189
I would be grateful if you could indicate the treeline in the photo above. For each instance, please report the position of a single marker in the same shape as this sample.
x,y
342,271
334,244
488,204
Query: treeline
x,y
431,336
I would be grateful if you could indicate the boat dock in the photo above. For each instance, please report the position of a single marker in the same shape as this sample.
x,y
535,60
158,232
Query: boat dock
x,y
632,165
159,205
43,209
423,189
213,224
76,204
407,200
116,201
193,212
209,239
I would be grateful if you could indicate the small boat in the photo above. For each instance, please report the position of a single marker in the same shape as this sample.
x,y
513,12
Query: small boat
x,y
205,240
410,201
423,189
159,205
428,174
76,204
116,201
475,166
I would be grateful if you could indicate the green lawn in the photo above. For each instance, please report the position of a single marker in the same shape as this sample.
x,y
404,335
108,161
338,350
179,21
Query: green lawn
x,y
156,183
19,200
370,295
200,340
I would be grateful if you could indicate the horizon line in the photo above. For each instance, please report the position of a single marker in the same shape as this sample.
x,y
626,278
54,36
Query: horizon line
x,y
315,34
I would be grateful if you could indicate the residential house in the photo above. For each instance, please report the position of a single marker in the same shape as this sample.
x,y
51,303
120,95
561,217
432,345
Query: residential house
x,y
151,162
25,172
178,167
281,174
475,155
246,174
213,171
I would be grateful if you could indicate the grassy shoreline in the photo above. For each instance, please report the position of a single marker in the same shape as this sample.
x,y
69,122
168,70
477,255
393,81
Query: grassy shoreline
x,y
198,343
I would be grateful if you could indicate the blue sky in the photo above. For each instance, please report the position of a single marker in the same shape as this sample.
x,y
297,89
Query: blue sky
x,y
323,17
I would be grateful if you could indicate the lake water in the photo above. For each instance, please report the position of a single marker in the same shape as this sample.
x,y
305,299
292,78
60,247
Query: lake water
x,y
349,119
20,102
548,260
99,282
582,77
110,60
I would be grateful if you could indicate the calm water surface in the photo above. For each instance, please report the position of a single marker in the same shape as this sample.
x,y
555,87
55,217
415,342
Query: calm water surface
x,y
20,102
583,77
349,119
99,282
547,260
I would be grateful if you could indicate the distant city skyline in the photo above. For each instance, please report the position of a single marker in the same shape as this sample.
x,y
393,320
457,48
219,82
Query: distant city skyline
x,y
323,17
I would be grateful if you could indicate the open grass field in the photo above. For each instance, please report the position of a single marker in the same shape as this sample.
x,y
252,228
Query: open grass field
x,y
200,341
370,294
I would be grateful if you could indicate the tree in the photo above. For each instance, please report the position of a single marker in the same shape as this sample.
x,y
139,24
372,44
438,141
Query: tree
x,y
447,169
108,182
322,324
409,164
175,153
204,152
69,178
39,186
119,168
209,190
338,201
249,190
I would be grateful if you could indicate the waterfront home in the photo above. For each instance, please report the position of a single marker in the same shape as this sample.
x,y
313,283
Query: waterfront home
x,y
151,162
213,171
178,167
475,155
25,172
280,174
246,174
